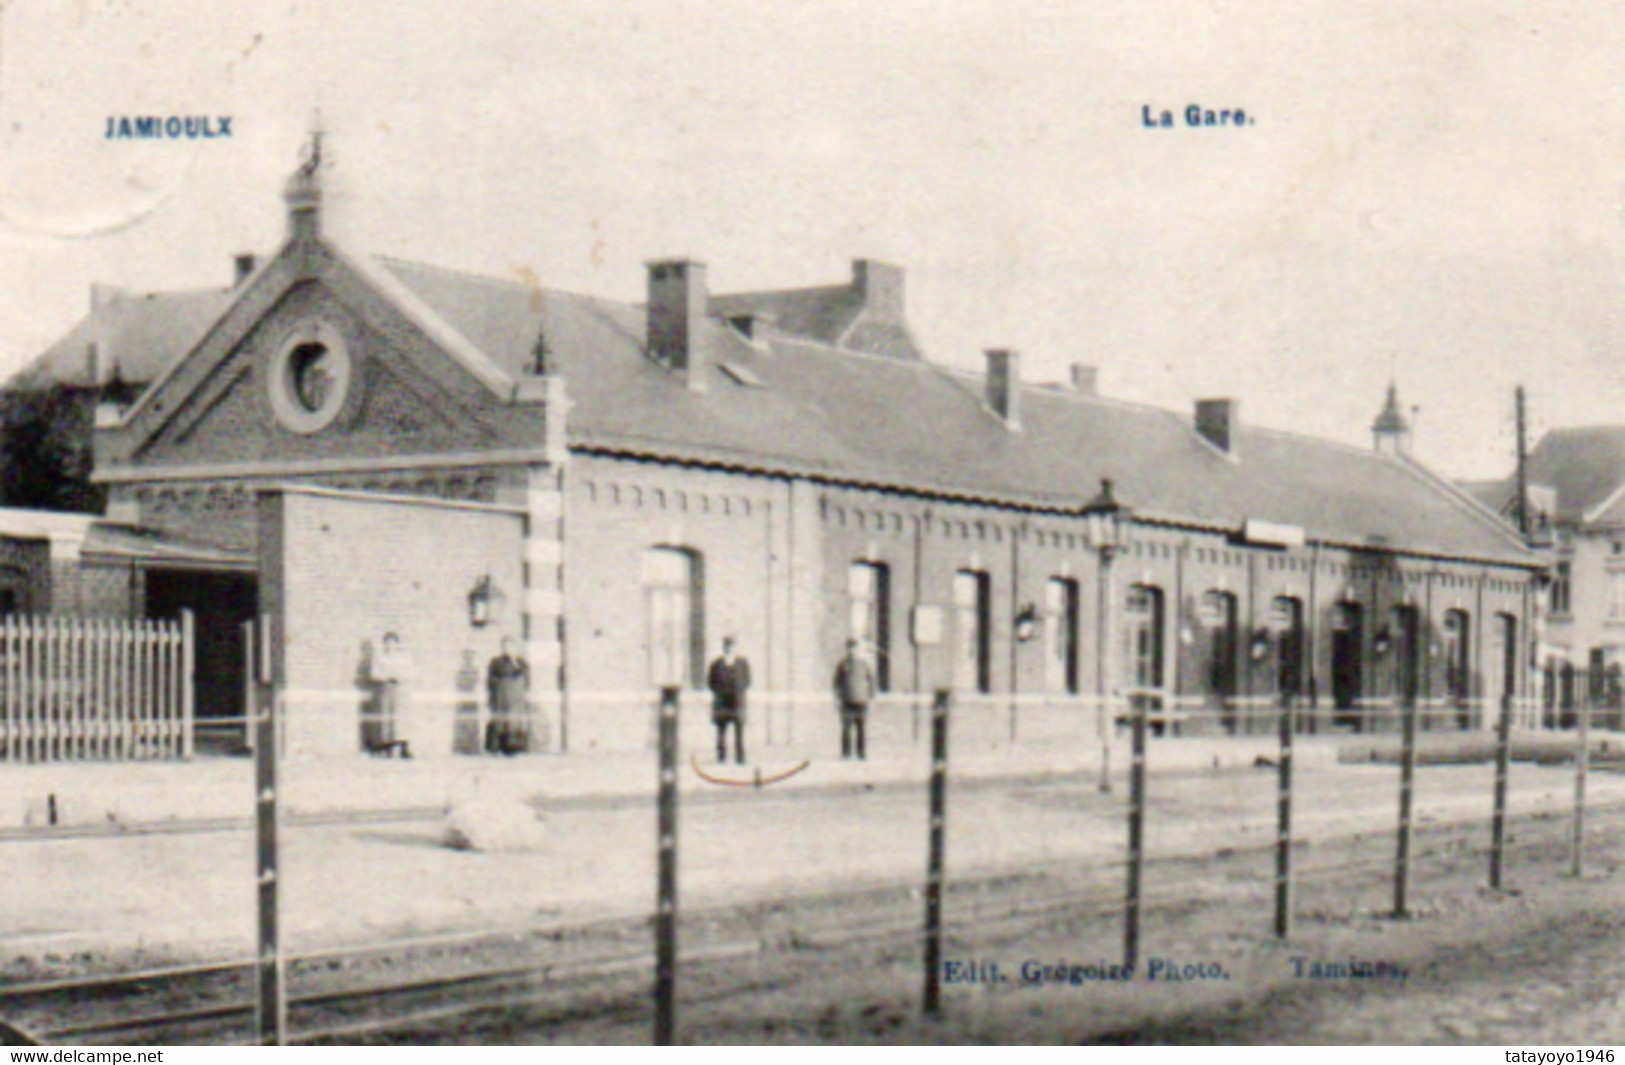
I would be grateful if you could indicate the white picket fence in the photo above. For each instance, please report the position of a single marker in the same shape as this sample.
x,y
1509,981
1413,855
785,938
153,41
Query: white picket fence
x,y
93,689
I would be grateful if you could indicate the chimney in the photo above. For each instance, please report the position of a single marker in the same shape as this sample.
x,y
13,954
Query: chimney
x,y
880,286
1085,379
242,268
678,298
1219,422
1004,386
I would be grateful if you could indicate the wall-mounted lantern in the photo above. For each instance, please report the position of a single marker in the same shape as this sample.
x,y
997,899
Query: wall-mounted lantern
x,y
484,600
1259,649
1380,644
1026,623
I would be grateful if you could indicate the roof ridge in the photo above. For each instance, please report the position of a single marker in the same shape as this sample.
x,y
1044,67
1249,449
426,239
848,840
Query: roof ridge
x,y
502,282
747,293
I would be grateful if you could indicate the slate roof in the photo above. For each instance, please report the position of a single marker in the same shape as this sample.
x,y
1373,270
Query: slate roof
x,y
912,425
141,334
1584,467
133,543
824,313
799,404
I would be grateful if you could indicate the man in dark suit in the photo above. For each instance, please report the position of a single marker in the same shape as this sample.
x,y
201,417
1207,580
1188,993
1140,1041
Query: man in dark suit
x,y
729,680
854,691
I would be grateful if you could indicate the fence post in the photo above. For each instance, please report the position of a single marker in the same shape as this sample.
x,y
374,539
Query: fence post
x,y
1136,838
937,845
271,1015
666,889
1498,817
1407,786
1283,823
1582,766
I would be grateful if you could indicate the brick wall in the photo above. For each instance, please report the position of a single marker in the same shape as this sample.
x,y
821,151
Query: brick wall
x,y
341,569
617,511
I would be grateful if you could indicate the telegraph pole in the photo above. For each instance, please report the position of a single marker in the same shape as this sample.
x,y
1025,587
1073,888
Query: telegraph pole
x,y
1523,462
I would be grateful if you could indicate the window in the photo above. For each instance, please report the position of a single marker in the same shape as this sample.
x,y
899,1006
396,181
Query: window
x,y
1561,577
1061,617
310,377
869,587
973,658
673,580
1142,627
1616,595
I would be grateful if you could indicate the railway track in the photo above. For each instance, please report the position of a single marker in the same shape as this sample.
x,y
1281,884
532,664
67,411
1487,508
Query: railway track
x,y
601,968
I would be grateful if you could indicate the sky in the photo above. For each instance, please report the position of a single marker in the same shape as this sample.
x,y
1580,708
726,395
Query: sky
x,y
1431,194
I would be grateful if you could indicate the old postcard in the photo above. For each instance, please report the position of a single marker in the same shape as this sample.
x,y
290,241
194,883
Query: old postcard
x,y
722,522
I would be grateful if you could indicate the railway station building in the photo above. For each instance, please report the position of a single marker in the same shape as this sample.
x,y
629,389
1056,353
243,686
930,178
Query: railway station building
x,y
381,446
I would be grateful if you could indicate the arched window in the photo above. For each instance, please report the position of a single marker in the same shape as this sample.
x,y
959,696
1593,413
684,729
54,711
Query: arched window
x,y
1061,610
674,586
869,586
973,644
1142,629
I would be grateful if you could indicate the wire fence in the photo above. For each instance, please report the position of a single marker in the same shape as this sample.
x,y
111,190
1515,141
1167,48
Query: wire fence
x,y
1411,736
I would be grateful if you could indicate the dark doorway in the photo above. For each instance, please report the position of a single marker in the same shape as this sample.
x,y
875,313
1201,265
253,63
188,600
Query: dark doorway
x,y
1407,655
1219,617
1502,662
1287,618
1347,665
1458,684
220,603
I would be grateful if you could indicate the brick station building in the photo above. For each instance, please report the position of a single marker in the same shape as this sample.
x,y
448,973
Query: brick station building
x,y
396,447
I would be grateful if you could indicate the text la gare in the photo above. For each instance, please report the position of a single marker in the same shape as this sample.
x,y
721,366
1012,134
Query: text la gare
x,y
1196,117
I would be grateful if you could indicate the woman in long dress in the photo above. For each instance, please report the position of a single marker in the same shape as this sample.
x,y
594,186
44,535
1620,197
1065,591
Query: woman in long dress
x,y
507,682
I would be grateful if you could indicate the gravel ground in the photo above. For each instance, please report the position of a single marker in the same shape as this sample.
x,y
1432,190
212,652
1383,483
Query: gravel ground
x,y
1542,964
76,900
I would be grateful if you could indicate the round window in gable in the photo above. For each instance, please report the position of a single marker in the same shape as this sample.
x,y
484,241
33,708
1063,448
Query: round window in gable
x,y
310,378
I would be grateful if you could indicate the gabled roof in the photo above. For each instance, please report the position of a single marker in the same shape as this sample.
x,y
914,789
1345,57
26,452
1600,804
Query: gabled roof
x,y
140,334
829,412
811,402
1584,467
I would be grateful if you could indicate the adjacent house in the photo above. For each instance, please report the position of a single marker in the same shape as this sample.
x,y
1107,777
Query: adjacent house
x,y
1575,488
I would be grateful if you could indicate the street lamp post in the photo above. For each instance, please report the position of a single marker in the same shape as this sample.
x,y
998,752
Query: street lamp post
x,y
1106,525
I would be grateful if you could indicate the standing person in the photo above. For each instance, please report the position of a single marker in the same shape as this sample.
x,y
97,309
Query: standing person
x,y
507,680
854,691
391,673
729,680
